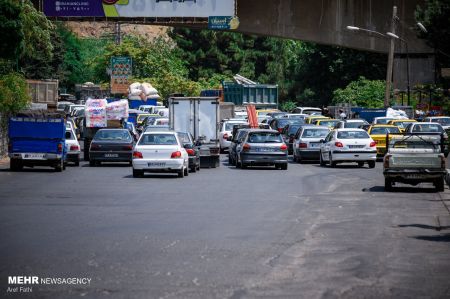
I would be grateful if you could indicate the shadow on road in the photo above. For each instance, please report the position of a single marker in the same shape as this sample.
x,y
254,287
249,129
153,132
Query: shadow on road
x,y
401,189
438,238
424,226
152,176
123,165
31,170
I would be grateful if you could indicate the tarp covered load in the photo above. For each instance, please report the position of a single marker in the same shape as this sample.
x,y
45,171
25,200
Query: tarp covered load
x,y
397,114
95,112
142,91
117,110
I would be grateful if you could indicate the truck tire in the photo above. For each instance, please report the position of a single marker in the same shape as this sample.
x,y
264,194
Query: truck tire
x,y
59,167
371,164
15,165
388,184
439,184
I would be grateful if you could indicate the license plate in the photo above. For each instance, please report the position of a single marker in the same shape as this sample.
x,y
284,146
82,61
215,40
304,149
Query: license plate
x,y
156,164
314,145
414,176
111,155
33,156
265,149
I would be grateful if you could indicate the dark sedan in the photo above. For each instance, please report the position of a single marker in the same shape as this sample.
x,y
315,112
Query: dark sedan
x,y
193,151
111,145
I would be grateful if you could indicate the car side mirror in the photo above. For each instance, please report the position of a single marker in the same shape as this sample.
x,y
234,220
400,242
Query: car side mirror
x,y
187,145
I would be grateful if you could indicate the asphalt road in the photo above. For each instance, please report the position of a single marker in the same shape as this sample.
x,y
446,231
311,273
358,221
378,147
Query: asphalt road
x,y
308,232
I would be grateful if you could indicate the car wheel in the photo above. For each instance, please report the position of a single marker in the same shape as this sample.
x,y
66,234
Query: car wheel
x,y
299,159
91,163
77,162
284,166
388,184
193,169
181,173
372,164
59,166
186,172
243,165
15,165
332,163
439,184
137,173
360,164
237,163
322,162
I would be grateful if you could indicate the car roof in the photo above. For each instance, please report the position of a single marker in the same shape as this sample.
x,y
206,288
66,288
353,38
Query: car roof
x,y
349,129
262,130
354,120
383,125
159,132
113,129
404,119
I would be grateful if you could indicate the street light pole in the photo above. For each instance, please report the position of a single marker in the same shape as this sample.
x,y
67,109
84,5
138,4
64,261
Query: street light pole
x,y
390,65
392,35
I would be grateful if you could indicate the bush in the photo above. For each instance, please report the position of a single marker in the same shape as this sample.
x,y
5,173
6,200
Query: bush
x,y
13,93
362,93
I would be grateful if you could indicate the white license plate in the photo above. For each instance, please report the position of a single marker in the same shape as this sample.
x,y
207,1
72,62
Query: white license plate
x,y
156,164
314,145
111,155
414,176
33,156
265,149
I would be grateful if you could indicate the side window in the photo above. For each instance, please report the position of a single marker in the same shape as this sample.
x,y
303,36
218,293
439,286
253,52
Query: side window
x,y
329,137
242,136
298,134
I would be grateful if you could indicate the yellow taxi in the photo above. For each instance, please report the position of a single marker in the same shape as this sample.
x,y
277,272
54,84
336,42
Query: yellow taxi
x,y
401,123
140,118
263,112
310,119
329,122
378,134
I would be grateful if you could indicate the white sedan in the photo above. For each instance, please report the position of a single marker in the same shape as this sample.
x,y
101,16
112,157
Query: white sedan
x,y
160,151
348,145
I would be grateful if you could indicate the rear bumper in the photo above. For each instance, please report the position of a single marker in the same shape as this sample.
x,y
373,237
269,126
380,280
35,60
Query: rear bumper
x,y
47,157
351,156
163,165
100,156
264,159
73,157
308,154
413,175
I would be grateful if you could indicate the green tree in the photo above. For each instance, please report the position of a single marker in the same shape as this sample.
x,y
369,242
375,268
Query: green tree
x,y
11,29
13,93
362,93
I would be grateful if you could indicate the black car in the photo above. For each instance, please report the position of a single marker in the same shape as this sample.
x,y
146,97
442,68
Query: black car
x,y
192,149
288,135
278,124
111,145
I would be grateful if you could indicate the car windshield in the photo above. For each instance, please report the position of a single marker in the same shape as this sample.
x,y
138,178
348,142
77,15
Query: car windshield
x,y
352,135
157,128
402,124
265,137
229,126
328,123
184,137
315,133
293,129
112,135
427,128
384,130
353,124
445,121
312,111
158,139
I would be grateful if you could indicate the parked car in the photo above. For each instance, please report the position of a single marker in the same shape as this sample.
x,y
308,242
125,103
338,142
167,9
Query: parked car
x,y
226,127
401,123
73,147
160,152
262,147
288,135
111,145
348,145
351,123
379,133
187,140
306,145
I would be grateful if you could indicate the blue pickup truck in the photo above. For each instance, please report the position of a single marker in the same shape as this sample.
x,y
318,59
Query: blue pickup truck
x,y
37,141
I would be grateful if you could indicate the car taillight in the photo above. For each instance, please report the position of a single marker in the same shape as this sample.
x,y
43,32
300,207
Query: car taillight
x,y
302,145
190,152
94,147
373,143
60,147
225,136
280,130
175,155
74,147
283,147
137,155
338,144
246,147
386,161
128,147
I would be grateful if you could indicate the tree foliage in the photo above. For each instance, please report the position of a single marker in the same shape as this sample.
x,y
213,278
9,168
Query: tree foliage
x,y
11,29
362,93
13,93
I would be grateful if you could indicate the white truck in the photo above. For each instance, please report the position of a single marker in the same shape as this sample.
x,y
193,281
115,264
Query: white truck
x,y
200,117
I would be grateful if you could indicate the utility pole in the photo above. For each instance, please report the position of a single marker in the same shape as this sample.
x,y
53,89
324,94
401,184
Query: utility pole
x,y
390,66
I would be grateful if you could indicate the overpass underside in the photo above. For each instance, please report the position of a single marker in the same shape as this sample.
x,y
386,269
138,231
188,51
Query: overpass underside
x,y
324,22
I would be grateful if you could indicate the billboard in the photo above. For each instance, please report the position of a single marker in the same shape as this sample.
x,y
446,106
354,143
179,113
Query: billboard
x,y
121,68
139,8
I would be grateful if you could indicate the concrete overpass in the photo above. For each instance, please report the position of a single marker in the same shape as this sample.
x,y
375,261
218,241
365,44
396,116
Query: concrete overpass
x,y
324,22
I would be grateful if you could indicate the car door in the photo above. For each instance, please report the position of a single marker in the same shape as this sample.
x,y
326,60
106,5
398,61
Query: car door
x,y
326,145
297,138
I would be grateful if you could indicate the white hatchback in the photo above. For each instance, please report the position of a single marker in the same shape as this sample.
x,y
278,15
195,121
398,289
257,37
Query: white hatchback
x,y
348,145
160,152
